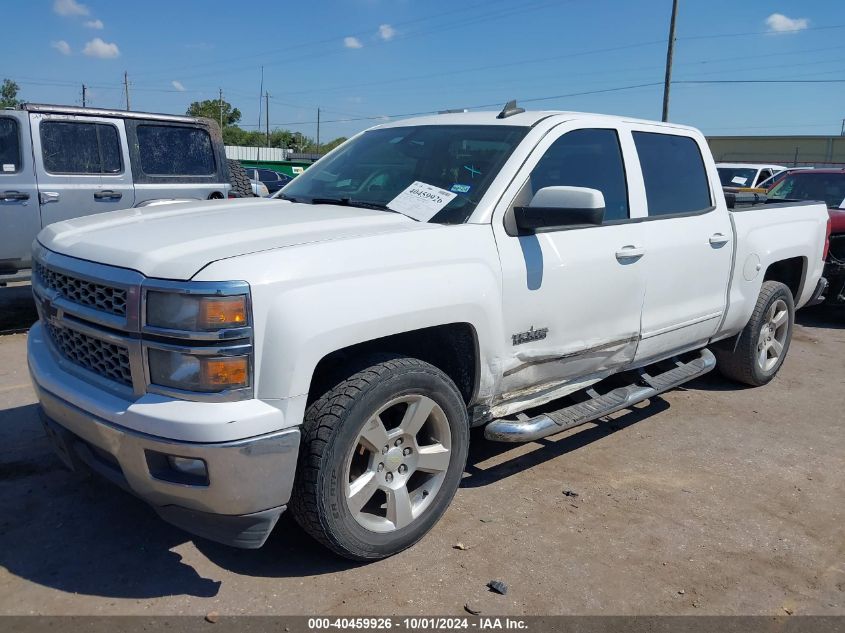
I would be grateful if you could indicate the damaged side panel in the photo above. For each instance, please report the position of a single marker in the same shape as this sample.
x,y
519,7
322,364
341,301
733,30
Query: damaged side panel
x,y
534,376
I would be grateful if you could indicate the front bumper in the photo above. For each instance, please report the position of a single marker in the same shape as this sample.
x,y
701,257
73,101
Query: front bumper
x,y
248,481
248,484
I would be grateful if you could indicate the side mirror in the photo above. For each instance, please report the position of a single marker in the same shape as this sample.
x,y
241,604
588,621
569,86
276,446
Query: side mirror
x,y
557,208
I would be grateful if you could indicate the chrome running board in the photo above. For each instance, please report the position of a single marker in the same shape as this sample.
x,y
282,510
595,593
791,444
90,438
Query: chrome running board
x,y
530,429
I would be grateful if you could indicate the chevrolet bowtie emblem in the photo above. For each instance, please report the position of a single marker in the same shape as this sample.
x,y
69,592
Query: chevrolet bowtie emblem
x,y
50,311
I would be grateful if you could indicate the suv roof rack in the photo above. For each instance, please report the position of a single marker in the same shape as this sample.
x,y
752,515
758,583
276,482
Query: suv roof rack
x,y
510,109
126,114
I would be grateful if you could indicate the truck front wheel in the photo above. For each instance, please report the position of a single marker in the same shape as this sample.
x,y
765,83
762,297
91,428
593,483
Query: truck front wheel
x,y
764,342
382,455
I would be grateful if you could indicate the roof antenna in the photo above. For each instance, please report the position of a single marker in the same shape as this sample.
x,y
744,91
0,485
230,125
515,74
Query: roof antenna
x,y
509,110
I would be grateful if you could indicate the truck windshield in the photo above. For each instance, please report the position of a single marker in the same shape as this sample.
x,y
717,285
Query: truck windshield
x,y
374,168
810,186
736,176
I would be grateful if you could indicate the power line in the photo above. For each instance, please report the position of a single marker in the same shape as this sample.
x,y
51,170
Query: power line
x,y
335,38
572,94
761,81
711,36
486,17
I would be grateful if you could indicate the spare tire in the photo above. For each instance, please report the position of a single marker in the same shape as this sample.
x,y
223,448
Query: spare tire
x,y
239,179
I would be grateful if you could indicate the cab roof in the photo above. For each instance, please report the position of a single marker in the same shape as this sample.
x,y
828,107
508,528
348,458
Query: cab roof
x,y
524,119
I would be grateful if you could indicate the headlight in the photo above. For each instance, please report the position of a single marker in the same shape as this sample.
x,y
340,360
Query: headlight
x,y
194,313
191,372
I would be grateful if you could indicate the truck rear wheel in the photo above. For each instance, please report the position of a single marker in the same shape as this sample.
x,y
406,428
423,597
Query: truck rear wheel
x,y
764,342
382,455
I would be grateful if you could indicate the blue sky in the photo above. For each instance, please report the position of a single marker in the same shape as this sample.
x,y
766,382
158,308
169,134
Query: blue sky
x,y
368,58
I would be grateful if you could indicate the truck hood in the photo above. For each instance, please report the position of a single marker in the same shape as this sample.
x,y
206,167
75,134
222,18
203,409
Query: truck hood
x,y
176,241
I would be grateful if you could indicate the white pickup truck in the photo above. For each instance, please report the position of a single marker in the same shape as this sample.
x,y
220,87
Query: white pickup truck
x,y
330,351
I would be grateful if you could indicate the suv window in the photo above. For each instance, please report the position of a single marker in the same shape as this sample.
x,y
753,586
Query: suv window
x,y
172,150
10,146
267,175
674,174
586,158
76,147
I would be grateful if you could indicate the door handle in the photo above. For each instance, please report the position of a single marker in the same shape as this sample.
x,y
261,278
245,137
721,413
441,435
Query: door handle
x,y
630,252
718,239
13,195
48,196
107,194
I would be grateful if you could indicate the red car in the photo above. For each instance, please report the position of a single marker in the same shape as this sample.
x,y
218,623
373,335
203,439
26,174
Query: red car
x,y
827,185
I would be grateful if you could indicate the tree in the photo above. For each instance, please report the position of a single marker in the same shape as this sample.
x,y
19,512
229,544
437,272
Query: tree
x,y
9,94
211,108
325,148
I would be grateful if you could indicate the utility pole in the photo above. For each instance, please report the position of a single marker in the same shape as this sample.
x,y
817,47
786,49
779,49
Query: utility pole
x,y
267,116
84,96
126,88
318,130
670,53
221,109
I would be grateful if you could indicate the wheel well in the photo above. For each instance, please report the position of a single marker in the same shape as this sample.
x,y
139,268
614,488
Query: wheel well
x,y
452,348
215,195
789,272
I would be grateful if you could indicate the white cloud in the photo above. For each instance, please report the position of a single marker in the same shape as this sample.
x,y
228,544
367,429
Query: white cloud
x,y
61,46
779,23
101,49
178,85
386,32
70,7
352,42
97,25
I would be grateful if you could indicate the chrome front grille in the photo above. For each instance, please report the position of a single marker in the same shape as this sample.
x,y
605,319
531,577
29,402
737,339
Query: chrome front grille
x,y
93,295
95,355
92,316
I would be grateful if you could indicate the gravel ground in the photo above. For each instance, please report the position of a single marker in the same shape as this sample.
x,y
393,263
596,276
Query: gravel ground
x,y
712,499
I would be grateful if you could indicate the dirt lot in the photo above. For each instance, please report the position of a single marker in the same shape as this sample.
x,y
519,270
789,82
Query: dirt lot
x,y
712,499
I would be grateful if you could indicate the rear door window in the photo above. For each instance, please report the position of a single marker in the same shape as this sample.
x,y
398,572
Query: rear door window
x,y
172,150
674,174
267,175
10,146
76,147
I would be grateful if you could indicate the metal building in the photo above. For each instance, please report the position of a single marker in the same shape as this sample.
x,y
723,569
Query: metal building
x,y
817,151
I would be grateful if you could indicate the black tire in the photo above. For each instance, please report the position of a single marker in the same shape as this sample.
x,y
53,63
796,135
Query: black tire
x,y
330,441
741,364
239,179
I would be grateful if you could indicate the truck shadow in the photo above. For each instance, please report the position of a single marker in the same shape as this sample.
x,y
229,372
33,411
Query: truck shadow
x,y
481,451
17,309
822,316
82,535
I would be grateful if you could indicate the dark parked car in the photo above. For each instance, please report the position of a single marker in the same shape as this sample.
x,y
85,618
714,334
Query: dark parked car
x,y
272,179
827,185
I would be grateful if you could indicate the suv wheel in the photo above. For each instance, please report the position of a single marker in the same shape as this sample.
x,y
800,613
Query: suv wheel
x,y
382,456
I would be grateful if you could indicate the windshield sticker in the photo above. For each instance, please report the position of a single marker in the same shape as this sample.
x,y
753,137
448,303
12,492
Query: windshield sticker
x,y
456,188
739,180
473,172
8,167
421,201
